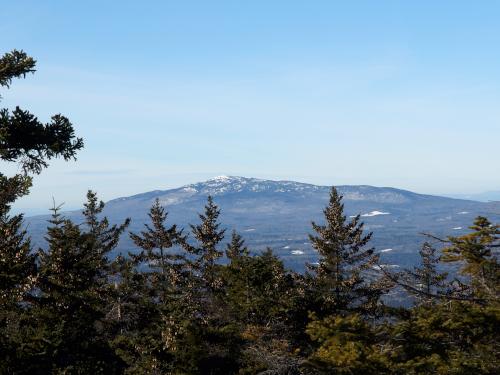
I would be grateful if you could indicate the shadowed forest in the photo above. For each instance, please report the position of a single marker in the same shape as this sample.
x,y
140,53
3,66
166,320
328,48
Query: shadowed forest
x,y
183,303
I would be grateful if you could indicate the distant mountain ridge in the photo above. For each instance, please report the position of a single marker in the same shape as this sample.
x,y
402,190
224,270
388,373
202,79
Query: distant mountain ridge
x,y
278,214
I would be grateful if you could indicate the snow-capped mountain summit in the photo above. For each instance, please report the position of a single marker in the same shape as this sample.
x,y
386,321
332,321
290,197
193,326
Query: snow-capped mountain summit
x,y
235,184
224,185
279,214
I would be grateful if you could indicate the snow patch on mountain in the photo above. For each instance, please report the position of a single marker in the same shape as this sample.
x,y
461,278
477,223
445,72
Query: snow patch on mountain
x,y
375,213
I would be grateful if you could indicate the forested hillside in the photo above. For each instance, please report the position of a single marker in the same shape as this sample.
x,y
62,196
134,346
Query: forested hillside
x,y
71,308
278,214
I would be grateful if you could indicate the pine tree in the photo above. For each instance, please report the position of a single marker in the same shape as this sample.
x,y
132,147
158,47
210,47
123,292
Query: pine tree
x,y
340,279
74,293
426,283
29,143
346,345
211,341
17,277
140,334
101,236
458,333
236,277
156,243
208,235
236,248
26,141
476,252
17,263
163,285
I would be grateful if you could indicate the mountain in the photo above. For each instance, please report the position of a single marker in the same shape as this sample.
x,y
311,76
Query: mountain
x,y
278,214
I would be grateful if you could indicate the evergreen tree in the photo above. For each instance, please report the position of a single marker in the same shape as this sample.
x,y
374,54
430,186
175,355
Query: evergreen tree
x,y
156,243
260,296
347,345
139,322
426,283
208,235
163,283
340,281
450,337
236,248
17,263
29,143
17,276
459,333
68,322
477,254
258,288
210,341
24,139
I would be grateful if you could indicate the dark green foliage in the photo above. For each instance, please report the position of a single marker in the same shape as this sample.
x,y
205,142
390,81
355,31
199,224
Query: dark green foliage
x,y
257,287
477,253
23,138
454,337
87,314
17,263
174,307
347,345
26,140
17,276
152,315
339,282
155,242
15,64
73,292
236,249
29,143
425,282
208,236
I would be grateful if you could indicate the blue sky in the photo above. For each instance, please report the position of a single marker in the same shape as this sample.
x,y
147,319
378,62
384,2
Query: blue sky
x,y
387,93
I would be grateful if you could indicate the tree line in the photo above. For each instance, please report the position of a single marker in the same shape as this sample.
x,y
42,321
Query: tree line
x,y
175,307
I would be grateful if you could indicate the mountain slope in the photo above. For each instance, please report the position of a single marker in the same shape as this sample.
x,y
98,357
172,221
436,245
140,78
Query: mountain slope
x,y
278,214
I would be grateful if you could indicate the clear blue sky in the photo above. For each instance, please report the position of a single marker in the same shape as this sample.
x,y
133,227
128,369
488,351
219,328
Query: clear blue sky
x,y
387,93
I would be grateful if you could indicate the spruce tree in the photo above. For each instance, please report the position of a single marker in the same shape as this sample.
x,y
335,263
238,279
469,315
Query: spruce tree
x,y
477,254
24,139
17,262
208,236
17,277
30,144
346,345
164,282
139,323
74,292
425,282
339,280
102,236
459,332
236,248
211,339
156,244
